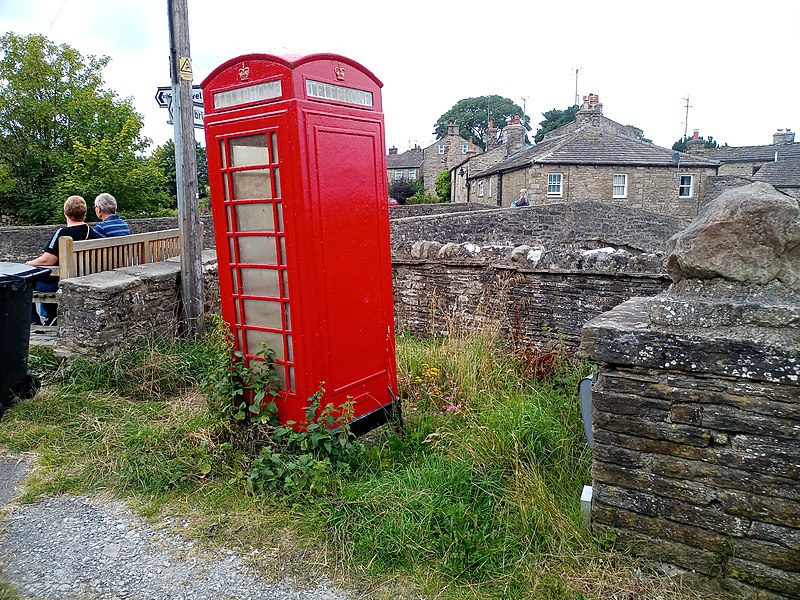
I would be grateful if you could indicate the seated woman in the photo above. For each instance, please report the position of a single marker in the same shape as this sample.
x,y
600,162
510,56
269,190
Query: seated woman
x,y
77,229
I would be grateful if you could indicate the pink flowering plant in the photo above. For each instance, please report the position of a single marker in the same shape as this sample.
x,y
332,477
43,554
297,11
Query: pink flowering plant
x,y
430,391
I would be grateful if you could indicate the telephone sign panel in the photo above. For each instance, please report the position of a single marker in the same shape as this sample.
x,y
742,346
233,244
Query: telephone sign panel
x,y
296,165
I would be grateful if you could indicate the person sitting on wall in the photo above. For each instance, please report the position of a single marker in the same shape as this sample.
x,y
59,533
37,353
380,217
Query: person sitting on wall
x,y
522,200
77,229
111,224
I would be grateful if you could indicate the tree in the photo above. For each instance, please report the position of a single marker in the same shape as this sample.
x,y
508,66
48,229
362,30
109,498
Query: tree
x,y
62,133
442,185
680,145
163,159
470,114
554,119
639,134
401,190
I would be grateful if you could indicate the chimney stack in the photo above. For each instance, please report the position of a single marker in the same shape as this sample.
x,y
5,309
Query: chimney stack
x,y
452,129
696,143
514,135
783,136
392,150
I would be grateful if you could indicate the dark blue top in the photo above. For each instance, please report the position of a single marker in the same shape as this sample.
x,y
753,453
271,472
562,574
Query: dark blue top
x,y
112,226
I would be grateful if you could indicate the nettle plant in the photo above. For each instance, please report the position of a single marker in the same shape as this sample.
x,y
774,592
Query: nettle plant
x,y
293,458
306,460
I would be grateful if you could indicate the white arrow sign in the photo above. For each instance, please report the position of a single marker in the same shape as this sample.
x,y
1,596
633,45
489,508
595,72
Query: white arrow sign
x,y
198,114
164,100
164,96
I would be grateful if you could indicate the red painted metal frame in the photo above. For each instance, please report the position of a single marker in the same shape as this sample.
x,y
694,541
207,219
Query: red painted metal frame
x,y
328,258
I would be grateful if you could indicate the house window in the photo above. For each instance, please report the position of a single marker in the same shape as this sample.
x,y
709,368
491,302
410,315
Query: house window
x,y
554,184
398,175
412,174
620,185
686,186
464,148
441,148
480,188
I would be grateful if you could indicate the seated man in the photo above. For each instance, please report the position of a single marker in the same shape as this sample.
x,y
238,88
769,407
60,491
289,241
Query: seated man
x,y
111,224
77,229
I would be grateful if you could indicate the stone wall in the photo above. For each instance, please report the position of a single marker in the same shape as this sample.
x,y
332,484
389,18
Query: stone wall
x,y
405,211
18,244
100,314
524,293
696,415
576,224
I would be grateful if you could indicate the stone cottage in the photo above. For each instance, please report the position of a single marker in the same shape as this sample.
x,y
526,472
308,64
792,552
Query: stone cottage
x,y
427,163
597,159
777,163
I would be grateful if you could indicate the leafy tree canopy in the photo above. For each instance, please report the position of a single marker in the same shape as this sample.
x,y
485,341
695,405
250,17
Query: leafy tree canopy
x,y
470,114
163,159
443,185
640,134
401,190
62,133
553,119
709,142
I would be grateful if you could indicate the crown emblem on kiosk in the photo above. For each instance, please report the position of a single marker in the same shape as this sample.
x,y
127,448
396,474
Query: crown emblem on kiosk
x,y
339,71
244,72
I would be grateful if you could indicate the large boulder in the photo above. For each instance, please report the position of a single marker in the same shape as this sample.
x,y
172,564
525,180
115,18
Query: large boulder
x,y
749,234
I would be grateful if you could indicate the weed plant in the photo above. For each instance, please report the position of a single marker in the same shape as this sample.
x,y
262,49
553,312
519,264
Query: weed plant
x,y
477,496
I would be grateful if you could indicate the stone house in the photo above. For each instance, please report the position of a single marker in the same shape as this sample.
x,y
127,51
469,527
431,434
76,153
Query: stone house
x,y
404,167
777,163
500,144
428,163
596,159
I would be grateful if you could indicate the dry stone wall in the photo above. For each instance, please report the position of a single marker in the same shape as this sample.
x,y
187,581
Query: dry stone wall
x,y
528,273
696,418
102,313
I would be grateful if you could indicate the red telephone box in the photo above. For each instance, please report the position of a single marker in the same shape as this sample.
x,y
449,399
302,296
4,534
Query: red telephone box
x,y
297,171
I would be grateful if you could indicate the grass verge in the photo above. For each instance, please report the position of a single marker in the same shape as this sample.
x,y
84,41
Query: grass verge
x,y
477,498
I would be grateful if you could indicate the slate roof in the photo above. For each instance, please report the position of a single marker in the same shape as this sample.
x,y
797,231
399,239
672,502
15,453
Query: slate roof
x,y
783,173
752,153
591,144
410,159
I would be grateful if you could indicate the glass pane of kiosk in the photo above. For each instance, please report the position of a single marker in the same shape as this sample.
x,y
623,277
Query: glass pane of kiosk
x,y
257,248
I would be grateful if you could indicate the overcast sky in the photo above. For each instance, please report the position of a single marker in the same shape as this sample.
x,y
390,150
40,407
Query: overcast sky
x,y
736,62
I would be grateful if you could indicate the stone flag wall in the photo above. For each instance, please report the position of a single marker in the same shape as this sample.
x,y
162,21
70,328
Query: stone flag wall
x,y
696,418
101,314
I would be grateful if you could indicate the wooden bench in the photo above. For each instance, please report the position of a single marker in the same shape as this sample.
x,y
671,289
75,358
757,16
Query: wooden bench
x,y
84,257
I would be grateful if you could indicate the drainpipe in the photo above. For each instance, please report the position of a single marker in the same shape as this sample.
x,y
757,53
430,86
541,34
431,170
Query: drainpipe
x,y
500,188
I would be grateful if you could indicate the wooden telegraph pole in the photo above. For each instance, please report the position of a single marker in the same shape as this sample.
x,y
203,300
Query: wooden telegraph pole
x,y
186,167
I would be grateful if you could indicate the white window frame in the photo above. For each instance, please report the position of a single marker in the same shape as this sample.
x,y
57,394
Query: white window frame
x,y
555,185
464,148
398,174
480,188
412,174
682,187
619,185
441,148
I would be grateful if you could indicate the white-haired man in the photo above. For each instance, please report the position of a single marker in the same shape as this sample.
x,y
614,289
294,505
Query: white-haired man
x,y
111,224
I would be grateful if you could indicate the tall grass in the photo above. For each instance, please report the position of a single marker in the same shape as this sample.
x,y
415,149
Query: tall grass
x,y
477,497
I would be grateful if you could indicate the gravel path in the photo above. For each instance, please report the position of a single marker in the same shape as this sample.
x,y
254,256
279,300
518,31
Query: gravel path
x,y
76,547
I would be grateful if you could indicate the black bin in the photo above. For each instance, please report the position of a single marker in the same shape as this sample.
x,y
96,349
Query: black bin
x,y
16,296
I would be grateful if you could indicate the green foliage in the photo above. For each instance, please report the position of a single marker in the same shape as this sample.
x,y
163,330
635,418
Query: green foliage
x,y
163,160
443,185
305,461
710,142
239,389
401,190
62,133
553,119
640,134
472,115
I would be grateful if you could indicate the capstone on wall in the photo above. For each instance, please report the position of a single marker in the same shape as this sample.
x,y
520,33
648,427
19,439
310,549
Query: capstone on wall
x,y
102,313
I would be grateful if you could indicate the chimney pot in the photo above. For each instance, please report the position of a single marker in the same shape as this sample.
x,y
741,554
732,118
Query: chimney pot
x,y
696,134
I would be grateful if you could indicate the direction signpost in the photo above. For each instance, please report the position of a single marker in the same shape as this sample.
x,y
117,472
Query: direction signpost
x,y
164,100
